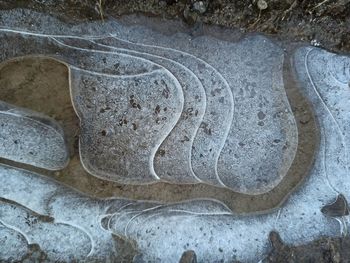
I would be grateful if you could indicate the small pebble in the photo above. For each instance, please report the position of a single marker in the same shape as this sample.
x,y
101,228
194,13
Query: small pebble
x,y
262,4
200,7
188,257
315,43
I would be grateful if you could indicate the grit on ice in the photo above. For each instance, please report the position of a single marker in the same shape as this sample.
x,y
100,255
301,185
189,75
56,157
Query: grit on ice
x,y
175,108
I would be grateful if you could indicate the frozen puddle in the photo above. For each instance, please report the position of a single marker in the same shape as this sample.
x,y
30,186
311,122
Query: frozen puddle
x,y
155,107
170,108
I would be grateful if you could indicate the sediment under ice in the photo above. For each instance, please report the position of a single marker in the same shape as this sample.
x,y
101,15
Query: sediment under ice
x,y
249,73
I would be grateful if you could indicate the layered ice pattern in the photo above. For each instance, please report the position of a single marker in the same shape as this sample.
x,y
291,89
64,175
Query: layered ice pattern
x,y
170,108
156,107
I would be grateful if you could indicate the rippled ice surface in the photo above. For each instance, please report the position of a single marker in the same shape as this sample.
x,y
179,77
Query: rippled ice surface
x,y
174,108
170,108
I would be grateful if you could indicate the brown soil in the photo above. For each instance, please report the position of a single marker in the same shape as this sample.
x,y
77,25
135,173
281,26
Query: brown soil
x,y
325,250
325,21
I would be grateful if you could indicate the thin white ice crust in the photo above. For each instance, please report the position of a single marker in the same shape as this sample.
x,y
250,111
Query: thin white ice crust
x,y
13,244
172,108
31,138
162,232
64,223
82,228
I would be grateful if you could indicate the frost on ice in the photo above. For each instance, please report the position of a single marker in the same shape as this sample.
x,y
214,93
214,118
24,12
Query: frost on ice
x,y
178,109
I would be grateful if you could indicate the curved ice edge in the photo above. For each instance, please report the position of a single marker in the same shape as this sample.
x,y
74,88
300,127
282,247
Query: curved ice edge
x,y
201,91
52,36
93,35
322,199
39,123
143,55
299,221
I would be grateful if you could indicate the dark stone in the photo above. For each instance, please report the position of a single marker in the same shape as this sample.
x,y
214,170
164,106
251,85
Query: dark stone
x,y
188,257
338,208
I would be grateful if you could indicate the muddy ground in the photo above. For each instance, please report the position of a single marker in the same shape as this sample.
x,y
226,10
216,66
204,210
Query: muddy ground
x,y
325,23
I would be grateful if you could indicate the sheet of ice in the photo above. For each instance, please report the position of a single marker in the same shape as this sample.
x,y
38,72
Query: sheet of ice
x,y
173,158
209,141
212,233
259,101
38,197
61,217
59,241
205,226
263,125
120,129
219,90
299,220
327,77
212,132
12,243
116,104
219,108
31,138
162,232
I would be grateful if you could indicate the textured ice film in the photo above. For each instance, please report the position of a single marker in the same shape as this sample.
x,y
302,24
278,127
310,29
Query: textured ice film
x,y
327,75
31,138
207,141
123,122
173,108
259,100
301,219
177,166
40,211
65,224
